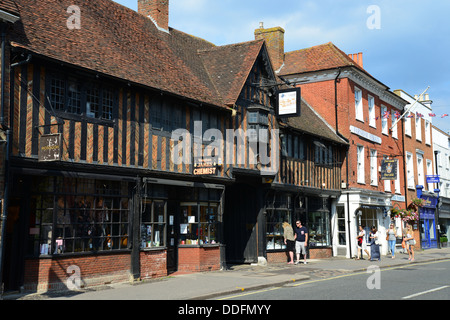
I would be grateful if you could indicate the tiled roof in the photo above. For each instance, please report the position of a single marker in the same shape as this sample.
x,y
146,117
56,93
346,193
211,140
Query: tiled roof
x,y
9,6
321,57
229,66
119,42
312,123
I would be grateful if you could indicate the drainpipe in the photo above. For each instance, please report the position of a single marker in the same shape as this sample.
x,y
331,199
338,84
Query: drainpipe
x,y
336,105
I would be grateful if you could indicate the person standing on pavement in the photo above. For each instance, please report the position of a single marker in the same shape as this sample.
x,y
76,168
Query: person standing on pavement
x,y
374,245
301,241
362,244
289,241
392,239
410,242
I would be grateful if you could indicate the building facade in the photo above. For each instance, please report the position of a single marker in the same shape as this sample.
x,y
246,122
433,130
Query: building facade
x,y
441,147
363,111
420,163
132,155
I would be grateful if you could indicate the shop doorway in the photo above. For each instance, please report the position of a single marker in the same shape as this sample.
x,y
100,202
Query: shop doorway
x,y
242,231
428,234
13,267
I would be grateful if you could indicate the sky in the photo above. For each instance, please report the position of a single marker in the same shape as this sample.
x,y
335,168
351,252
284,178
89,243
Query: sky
x,y
405,43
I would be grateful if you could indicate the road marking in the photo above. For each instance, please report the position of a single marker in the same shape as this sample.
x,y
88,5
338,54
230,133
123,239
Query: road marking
x,y
425,292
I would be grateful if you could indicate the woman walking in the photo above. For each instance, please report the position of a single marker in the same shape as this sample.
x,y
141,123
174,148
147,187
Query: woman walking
x,y
362,244
410,242
392,239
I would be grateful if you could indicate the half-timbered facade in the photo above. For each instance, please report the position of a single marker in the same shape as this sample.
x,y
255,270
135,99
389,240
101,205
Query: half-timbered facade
x,y
133,154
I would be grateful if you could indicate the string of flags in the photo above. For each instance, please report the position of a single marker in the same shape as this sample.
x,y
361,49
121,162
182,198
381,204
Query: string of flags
x,y
397,115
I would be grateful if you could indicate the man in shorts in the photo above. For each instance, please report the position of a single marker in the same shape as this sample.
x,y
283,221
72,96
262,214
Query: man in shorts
x,y
301,240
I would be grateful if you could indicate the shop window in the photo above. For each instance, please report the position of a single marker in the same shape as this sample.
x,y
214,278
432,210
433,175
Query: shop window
x,y
153,226
278,210
319,223
70,215
342,235
198,223
199,216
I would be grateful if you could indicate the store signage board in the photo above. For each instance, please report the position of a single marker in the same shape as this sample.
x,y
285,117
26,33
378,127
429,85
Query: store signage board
x,y
389,170
50,148
205,167
433,179
366,135
288,103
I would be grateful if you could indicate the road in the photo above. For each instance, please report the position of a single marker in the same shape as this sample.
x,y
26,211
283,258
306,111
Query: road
x,y
418,281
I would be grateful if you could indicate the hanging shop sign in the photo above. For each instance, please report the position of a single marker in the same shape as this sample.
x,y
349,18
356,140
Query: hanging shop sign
x,y
50,147
205,167
288,103
389,170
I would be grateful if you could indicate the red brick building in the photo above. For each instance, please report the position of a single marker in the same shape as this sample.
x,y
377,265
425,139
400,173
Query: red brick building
x,y
362,110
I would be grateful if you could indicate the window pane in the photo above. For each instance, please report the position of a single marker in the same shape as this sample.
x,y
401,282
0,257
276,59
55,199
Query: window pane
x,y
57,93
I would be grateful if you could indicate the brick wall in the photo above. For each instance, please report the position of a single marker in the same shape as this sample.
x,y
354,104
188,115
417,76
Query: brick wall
x,y
198,259
153,264
42,275
282,257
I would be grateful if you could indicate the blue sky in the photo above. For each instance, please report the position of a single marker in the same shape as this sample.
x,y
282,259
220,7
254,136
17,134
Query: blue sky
x,y
408,51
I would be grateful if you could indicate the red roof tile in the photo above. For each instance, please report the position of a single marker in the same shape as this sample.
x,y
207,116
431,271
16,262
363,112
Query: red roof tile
x,y
321,57
119,42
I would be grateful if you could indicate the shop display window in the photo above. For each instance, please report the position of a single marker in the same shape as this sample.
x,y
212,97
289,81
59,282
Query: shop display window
x,y
275,232
278,210
153,227
198,223
319,222
70,215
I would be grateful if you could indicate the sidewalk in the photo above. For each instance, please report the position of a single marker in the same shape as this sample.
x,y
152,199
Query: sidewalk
x,y
237,279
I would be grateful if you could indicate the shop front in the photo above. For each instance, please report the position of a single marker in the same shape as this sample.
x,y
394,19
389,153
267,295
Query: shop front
x,y
183,220
428,227
444,221
365,208
66,224
315,213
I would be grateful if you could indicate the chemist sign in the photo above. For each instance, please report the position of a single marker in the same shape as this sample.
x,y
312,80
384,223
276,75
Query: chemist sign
x,y
50,147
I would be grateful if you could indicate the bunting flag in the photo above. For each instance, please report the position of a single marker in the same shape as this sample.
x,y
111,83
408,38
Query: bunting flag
x,y
387,115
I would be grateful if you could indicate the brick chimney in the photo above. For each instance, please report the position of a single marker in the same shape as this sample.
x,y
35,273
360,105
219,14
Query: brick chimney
x,y
275,43
357,58
157,11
